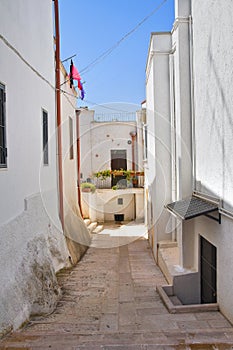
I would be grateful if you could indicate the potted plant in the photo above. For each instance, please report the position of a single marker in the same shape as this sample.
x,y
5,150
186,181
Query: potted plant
x,y
88,187
103,175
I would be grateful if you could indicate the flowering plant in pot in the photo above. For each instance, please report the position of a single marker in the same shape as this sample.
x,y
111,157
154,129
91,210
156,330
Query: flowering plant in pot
x,y
88,187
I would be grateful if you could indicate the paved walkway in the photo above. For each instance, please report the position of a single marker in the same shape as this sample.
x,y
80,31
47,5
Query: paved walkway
x,y
110,303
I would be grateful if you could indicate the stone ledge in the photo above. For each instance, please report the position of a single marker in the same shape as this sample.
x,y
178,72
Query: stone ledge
x,y
167,291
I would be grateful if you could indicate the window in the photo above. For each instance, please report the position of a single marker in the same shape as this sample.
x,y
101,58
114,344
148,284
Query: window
x,y
71,138
3,149
45,138
120,201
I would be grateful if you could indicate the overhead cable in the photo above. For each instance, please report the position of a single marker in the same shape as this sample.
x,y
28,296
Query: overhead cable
x,y
112,48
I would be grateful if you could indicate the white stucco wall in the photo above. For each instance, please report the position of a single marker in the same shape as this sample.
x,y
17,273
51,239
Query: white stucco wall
x,y
168,94
182,98
68,106
26,95
97,141
126,208
32,247
86,118
103,204
221,237
158,167
150,122
213,74
213,98
76,232
140,117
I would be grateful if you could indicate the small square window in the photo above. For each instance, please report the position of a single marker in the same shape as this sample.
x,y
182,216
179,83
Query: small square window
x,y
120,201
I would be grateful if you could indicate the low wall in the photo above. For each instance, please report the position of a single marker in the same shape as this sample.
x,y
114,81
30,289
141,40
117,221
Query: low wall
x,y
104,203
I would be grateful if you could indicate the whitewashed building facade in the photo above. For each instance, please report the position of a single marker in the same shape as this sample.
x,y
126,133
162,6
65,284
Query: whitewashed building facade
x,y
189,99
33,246
108,144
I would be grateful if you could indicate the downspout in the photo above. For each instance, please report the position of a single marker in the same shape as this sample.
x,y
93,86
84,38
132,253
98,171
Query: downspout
x,y
173,141
58,109
173,130
133,135
192,104
78,159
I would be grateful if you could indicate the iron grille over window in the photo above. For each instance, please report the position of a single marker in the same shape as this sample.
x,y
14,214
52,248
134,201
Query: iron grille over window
x,y
3,149
45,138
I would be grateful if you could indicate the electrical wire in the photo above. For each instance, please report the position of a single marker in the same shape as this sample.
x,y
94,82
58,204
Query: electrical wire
x,y
93,103
111,108
7,43
48,82
112,48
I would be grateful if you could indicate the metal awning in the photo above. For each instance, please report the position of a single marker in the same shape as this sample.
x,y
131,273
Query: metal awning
x,y
192,207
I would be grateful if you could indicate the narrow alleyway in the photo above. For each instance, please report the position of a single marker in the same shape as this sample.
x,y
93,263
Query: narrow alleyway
x,y
110,302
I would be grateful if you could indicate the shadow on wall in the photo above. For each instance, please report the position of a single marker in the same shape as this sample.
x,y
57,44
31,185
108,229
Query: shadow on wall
x,y
78,238
226,117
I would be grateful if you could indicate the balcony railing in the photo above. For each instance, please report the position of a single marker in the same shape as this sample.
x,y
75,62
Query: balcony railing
x,y
115,117
133,180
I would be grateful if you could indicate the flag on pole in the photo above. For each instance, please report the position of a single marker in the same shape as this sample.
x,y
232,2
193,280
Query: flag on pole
x,y
74,75
82,92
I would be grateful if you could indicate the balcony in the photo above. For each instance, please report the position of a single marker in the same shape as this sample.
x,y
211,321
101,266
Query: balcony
x,y
118,179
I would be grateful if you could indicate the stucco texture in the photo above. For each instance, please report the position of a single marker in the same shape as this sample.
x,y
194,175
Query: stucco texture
x,y
213,72
28,265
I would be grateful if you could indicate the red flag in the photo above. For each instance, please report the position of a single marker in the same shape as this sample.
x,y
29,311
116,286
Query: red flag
x,y
74,74
80,84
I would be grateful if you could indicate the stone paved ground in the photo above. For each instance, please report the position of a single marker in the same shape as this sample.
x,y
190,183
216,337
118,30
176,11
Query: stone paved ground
x,y
110,302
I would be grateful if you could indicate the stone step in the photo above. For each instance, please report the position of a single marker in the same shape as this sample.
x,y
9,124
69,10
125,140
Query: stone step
x,y
160,343
92,226
175,300
98,229
87,222
167,244
29,333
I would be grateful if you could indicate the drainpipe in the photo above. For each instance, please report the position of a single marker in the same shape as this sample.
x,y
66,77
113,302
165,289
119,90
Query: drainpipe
x,y
133,135
173,130
173,141
192,103
58,109
78,159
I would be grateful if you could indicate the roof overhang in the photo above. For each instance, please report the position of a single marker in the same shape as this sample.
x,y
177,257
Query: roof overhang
x,y
193,207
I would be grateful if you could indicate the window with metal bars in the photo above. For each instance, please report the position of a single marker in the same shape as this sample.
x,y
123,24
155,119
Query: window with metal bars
x,y
3,149
45,138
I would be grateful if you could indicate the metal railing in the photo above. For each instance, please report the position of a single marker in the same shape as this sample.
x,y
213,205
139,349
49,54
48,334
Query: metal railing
x,y
115,117
107,183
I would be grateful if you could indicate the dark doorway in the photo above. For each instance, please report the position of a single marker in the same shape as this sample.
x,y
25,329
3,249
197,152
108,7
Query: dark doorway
x,y
208,272
118,162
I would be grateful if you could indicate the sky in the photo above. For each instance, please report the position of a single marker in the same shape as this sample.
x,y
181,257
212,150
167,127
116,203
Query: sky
x,y
89,28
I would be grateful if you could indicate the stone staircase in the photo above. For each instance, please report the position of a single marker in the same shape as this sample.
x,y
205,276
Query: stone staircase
x,y
93,227
62,340
109,302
